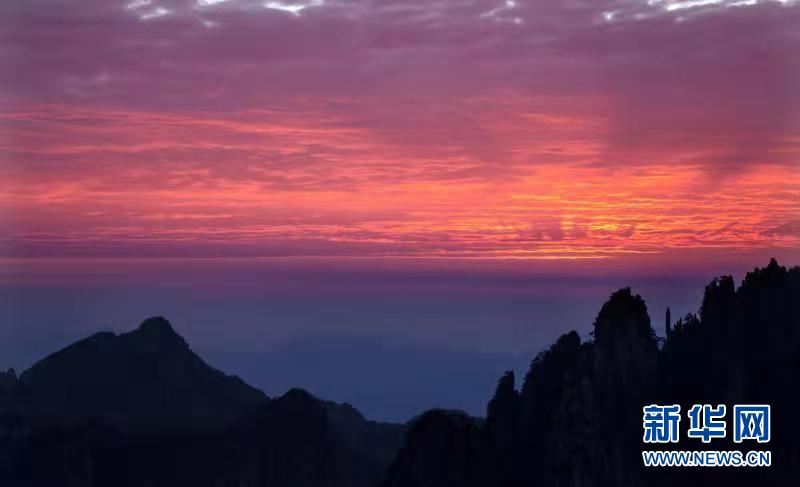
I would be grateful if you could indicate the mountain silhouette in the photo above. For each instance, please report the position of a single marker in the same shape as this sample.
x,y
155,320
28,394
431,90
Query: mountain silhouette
x,y
146,378
577,419
141,409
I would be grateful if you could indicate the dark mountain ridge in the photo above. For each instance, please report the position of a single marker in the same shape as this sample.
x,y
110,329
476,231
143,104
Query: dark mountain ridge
x,y
148,377
577,419
135,409
140,408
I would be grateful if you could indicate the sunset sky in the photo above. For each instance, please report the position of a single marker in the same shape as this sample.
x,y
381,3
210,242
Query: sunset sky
x,y
403,140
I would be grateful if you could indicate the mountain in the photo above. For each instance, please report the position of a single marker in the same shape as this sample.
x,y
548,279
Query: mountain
x,y
576,421
13,396
141,409
146,378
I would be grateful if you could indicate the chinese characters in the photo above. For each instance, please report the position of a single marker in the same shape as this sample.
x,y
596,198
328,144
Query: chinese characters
x,y
661,423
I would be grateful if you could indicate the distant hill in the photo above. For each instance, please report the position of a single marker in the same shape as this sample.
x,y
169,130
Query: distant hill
x,y
141,408
148,377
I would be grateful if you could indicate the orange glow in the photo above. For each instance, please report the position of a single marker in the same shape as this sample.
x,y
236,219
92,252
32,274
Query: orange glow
x,y
256,179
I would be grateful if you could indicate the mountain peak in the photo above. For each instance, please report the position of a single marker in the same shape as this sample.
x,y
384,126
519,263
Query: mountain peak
x,y
623,317
157,324
148,376
154,334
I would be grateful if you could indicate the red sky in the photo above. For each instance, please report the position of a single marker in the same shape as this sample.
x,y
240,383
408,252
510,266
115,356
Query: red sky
x,y
486,173
621,130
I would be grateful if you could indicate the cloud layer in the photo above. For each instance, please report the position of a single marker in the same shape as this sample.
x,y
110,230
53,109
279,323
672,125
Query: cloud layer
x,y
537,129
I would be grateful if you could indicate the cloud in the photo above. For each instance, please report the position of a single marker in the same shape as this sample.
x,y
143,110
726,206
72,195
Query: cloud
x,y
399,127
788,229
667,90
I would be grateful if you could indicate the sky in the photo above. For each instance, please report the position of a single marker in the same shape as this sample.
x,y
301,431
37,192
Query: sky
x,y
457,181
